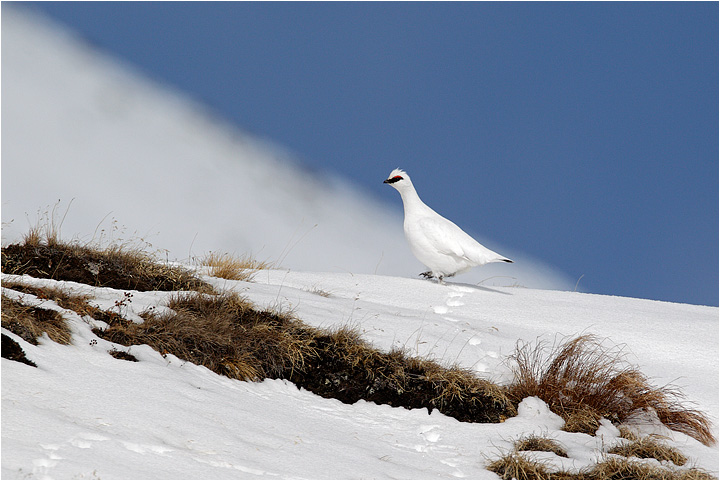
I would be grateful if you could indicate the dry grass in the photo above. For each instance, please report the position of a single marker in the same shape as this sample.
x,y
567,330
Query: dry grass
x,y
623,468
230,267
31,322
116,266
229,336
122,355
650,447
539,443
319,292
214,331
516,465
582,380
349,369
63,298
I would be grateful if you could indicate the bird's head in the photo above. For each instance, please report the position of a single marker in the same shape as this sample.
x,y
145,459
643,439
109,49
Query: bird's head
x,y
398,179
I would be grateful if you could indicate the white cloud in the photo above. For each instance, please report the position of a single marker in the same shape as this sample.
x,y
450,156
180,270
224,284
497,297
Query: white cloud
x,y
79,126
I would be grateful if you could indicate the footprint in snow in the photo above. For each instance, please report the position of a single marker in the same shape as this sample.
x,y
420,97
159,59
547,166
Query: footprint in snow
x,y
441,309
453,299
429,433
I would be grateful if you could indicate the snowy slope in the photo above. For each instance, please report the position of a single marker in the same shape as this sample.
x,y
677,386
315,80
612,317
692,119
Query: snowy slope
x,y
83,413
80,127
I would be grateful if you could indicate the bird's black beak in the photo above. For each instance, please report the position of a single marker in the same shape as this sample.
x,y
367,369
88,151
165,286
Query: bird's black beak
x,y
393,180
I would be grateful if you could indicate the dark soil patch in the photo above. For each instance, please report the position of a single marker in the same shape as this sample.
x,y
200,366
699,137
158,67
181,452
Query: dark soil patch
x,y
128,270
12,350
125,356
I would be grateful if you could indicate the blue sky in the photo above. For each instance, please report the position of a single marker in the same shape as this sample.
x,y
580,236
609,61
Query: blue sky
x,y
583,134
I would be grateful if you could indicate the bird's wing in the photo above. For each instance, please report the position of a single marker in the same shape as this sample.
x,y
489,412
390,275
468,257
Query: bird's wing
x,y
447,238
443,236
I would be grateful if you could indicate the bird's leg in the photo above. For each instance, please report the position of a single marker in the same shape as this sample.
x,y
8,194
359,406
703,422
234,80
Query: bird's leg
x,y
440,280
427,274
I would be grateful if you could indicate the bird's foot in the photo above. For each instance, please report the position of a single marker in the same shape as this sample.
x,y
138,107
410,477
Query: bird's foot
x,y
427,275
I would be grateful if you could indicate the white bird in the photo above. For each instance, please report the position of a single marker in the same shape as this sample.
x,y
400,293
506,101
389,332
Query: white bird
x,y
437,242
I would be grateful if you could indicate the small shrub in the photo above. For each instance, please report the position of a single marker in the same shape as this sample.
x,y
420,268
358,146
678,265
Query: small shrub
x,y
227,266
582,381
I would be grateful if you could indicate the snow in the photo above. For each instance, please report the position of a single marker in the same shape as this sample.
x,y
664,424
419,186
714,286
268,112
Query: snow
x,y
83,413
78,125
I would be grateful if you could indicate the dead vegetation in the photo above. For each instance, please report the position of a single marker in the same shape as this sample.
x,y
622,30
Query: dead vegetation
x,y
12,350
582,380
31,322
540,443
122,355
649,447
520,465
116,266
624,468
229,336
514,465
228,266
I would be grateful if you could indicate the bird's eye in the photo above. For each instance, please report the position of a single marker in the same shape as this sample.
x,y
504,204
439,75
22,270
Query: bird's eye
x,y
394,179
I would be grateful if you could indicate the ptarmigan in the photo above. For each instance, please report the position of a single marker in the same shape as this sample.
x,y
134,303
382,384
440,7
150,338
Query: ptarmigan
x,y
437,242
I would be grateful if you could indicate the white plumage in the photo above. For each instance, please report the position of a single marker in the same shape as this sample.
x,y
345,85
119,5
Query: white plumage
x,y
437,242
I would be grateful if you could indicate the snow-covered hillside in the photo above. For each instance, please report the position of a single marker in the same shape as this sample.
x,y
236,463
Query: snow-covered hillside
x,y
84,414
78,125
81,127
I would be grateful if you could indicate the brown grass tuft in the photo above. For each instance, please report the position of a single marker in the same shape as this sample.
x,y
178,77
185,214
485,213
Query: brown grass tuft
x,y
230,267
648,447
31,322
623,468
582,381
539,443
63,298
515,465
